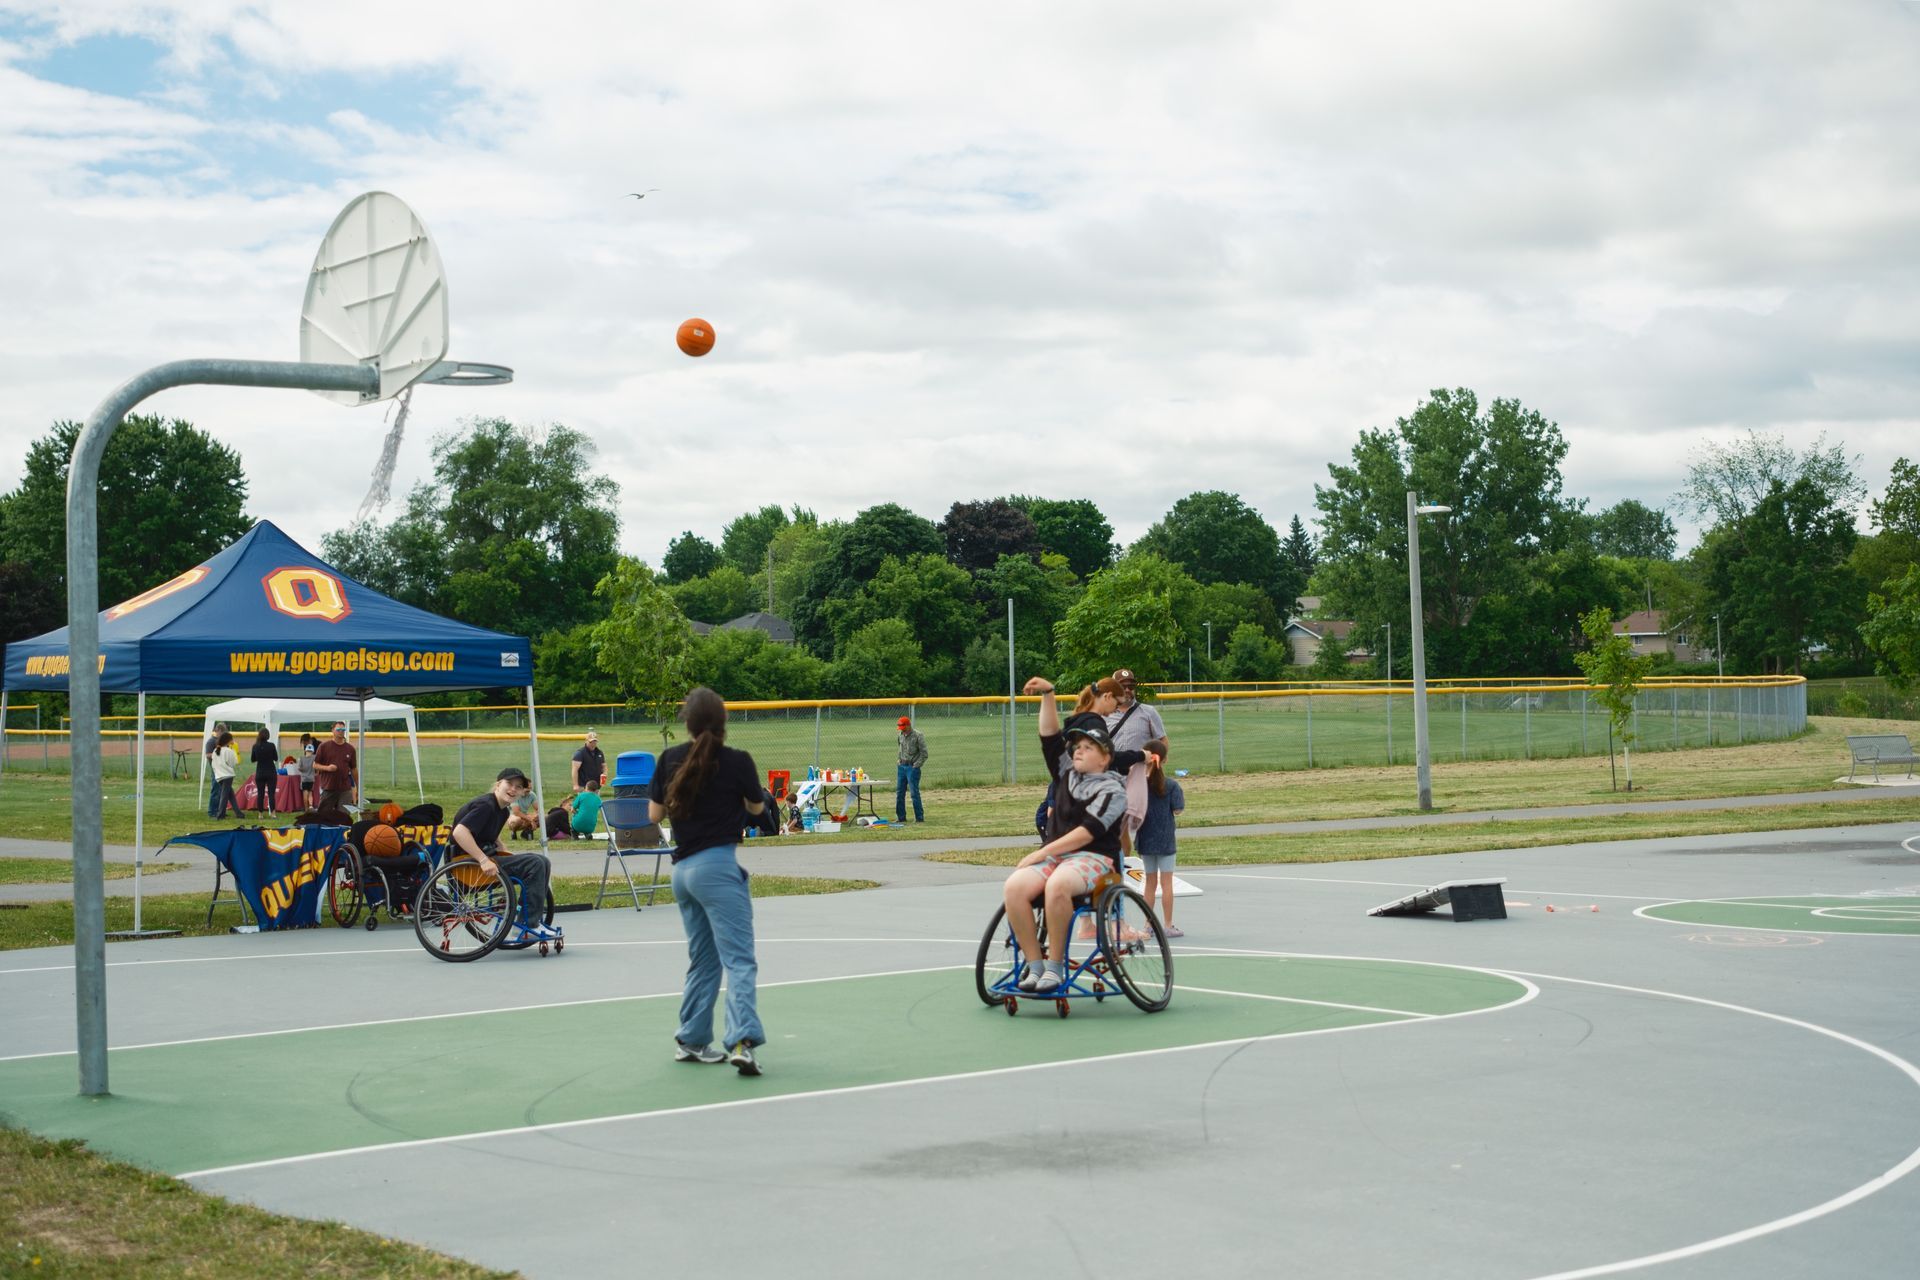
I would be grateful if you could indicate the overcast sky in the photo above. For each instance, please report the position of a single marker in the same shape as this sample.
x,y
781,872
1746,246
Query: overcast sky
x,y
1112,250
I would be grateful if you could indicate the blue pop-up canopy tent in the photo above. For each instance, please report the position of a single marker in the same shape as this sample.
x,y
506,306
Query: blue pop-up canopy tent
x,y
267,617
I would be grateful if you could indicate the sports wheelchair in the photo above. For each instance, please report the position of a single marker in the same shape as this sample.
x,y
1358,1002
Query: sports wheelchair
x,y
1129,953
358,881
462,913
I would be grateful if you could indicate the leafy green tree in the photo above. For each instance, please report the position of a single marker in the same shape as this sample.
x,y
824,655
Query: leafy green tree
x,y
1898,510
689,556
1252,654
1499,471
851,559
880,660
1072,527
1727,481
643,643
1611,667
932,596
1216,537
746,665
1330,661
1780,581
1892,630
797,550
720,596
514,531
1041,594
1226,605
569,667
1297,548
1634,531
1125,618
979,533
31,603
170,496
1528,628
745,540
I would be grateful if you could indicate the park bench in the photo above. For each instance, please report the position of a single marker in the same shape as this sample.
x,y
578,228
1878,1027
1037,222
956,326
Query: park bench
x,y
1876,749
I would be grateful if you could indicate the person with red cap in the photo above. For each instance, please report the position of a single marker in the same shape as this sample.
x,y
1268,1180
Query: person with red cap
x,y
913,754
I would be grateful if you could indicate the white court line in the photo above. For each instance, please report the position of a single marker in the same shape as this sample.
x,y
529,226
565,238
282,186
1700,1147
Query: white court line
x,y
1820,1210
1641,912
468,1013
399,951
1413,884
1528,993
1324,1004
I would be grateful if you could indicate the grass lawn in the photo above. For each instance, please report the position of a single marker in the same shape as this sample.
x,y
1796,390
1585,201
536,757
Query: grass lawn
x,y
60,870
1196,850
50,924
37,806
66,1212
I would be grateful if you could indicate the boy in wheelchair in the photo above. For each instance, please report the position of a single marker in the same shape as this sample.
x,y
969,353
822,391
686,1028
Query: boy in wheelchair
x,y
476,835
1082,834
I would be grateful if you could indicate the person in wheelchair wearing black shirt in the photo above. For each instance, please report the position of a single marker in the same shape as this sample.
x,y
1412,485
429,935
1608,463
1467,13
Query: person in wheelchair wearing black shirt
x,y
1082,834
476,833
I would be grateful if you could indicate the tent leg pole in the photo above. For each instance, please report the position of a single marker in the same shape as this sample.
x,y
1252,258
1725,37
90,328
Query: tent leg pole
x,y
413,741
139,807
539,791
3,730
360,753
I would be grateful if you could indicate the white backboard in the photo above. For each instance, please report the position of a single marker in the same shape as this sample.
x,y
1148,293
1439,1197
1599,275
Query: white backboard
x,y
376,293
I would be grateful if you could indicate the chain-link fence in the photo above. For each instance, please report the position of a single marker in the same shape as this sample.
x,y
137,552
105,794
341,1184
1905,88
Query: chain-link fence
x,y
973,742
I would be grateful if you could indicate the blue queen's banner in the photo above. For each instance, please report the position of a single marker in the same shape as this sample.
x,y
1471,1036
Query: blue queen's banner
x,y
282,874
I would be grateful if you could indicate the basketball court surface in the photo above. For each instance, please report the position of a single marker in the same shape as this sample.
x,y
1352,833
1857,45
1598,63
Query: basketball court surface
x,y
1698,1063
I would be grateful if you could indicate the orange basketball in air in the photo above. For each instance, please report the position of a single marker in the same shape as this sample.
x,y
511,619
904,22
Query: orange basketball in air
x,y
381,842
390,813
695,337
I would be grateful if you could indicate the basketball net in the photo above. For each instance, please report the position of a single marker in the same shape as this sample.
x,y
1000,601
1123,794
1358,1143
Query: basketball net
x,y
382,486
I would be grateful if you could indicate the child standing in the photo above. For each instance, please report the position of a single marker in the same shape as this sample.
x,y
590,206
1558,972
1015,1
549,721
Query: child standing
x,y
1155,840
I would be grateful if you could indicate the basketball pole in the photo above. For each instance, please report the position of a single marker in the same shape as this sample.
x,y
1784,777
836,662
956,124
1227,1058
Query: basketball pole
x,y
83,649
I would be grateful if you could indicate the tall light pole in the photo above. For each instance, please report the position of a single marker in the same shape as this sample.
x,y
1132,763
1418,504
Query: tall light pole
x,y
1719,655
1422,754
1209,627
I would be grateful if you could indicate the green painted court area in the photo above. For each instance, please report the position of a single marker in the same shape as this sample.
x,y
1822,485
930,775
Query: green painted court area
x,y
189,1107
1799,915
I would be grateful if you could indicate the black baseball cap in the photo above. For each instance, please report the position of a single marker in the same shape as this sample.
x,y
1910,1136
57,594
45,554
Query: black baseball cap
x,y
1098,737
511,774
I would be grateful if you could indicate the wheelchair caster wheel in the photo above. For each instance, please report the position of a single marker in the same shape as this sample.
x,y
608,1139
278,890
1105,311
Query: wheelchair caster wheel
x,y
1013,1005
372,924
1061,1006
543,948
559,946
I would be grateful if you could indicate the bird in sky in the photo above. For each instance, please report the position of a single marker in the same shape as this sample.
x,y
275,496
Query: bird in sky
x,y
642,195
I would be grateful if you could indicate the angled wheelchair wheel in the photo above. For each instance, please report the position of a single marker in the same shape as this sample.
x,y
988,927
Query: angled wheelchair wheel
x,y
346,887
999,957
1136,948
460,913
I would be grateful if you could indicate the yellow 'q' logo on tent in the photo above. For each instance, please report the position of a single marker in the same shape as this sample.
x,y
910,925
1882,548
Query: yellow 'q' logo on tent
x,y
306,592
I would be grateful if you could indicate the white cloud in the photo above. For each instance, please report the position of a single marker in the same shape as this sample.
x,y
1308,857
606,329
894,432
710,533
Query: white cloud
x,y
1121,251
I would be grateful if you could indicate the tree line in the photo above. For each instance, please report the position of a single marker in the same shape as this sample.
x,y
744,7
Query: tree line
x,y
518,530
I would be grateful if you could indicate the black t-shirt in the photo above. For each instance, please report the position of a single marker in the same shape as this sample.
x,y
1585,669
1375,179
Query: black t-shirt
x,y
593,764
265,759
483,818
720,813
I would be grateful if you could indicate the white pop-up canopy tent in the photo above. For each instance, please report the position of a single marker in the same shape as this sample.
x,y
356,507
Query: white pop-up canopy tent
x,y
274,712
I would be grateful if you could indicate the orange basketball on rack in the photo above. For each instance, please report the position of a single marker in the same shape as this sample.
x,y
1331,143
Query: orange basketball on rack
x,y
695,337
390,813
381,842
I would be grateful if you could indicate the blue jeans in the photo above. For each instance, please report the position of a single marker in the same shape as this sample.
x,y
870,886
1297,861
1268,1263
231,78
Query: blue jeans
x,y
717,910
213,797
907,779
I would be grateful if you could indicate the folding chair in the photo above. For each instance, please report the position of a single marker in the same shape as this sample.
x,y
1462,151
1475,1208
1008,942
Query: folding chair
x,y
629,833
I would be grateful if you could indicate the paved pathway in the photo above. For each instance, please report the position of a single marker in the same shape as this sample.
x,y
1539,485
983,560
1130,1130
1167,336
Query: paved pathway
x,y
903,862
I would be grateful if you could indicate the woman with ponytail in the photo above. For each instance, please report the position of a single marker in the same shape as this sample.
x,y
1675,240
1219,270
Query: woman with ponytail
x,y
709,789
